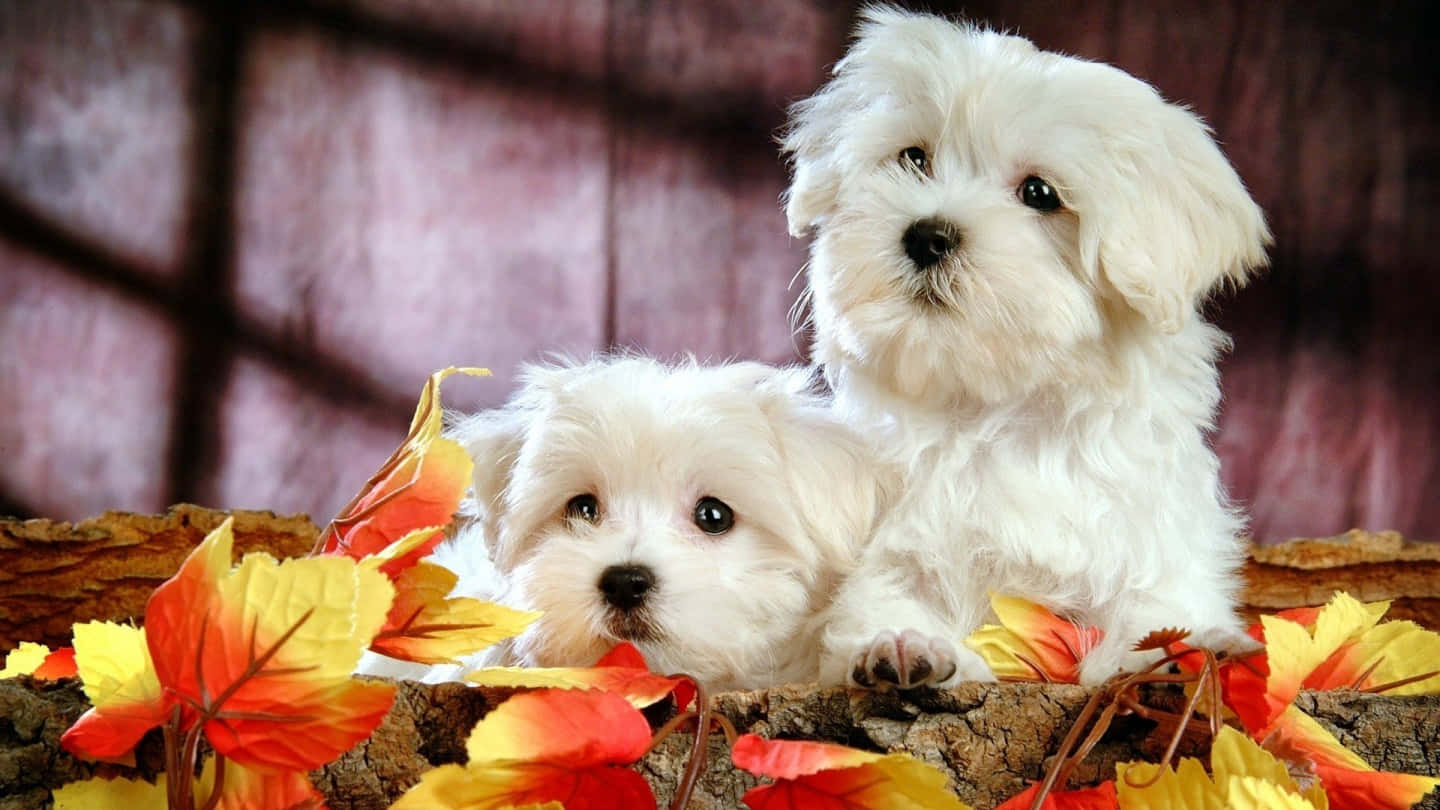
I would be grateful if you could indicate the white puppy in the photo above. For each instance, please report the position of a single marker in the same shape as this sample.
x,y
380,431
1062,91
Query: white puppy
x,y
705,514
1010,248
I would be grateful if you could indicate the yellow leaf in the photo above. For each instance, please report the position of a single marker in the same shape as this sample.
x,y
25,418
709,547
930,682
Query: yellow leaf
x,y
452,787
1235,755
1254,793
339,607
1392,652
1186,787
1031,643
268,649
114,665
111,794
24,659
425,626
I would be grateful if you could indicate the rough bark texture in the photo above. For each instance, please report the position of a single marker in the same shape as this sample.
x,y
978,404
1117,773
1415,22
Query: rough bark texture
x,y
54,574
1371,566
990,739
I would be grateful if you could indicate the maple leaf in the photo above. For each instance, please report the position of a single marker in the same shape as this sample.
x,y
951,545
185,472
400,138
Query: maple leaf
x,y
262,654
1100,797
418,487
111,794
553,745
1341,645
241,789
1349,781
58,664
424,625
246,789
126,697
1244,776
622,671
38,661
23,659
821,776
1031,643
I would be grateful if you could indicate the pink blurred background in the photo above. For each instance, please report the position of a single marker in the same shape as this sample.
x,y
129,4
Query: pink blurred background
x,y
234,241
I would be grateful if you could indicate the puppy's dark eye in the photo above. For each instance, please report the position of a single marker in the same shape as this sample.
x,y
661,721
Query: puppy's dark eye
x,y
713,516
1038,194
915,158
585,507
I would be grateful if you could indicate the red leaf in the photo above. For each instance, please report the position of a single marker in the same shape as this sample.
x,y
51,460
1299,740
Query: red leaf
x,y
1100,797
58,664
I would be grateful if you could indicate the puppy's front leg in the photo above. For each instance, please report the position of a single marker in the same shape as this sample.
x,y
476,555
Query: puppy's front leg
x,y
883,633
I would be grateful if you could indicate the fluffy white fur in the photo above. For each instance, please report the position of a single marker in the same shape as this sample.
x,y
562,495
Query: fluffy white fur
x,y
737,610
1047,387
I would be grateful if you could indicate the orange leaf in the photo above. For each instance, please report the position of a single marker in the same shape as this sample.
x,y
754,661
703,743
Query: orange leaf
x,y
263,654
427,626
1349,781
529,786
550,745
127,699
622,671
821,776
58,664
1242,682
1031,643
244,789
419,487
1100,797
573,728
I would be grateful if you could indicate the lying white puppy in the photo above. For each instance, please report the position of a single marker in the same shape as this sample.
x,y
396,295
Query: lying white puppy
x,y
704,514
1010,248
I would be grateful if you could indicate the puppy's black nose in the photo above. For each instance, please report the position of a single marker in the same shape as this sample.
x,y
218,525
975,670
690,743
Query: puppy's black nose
x,y
928,241
625,586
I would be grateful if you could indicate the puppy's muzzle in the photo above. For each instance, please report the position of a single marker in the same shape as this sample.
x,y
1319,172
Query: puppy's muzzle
x,y
625,586
928,241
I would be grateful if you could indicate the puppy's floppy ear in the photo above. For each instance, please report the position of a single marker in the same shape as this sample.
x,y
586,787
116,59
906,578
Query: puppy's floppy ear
x,y
839,486
811,142
492,439
1166,219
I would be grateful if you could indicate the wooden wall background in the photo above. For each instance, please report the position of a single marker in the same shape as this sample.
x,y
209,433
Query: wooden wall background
x,y
235,237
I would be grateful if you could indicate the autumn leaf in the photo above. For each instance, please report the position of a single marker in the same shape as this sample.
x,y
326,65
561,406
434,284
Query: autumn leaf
x,y
111,794
241,789
1100,797
419,487
246,789
1349,781
126,697
821,776
1243,776
424,625
1031,643
622,671
1242,682
58,664
24,659
36,660
262,654
548,746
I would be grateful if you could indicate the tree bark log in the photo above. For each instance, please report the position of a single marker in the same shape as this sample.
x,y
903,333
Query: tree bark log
x,y
990,739
54,574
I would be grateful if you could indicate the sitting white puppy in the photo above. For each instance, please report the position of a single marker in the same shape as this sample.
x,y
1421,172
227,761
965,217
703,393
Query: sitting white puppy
x,y
1010,248
705,514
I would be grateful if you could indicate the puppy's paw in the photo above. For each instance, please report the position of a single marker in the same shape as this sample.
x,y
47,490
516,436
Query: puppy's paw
x,y
912,659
